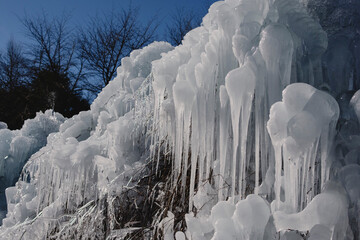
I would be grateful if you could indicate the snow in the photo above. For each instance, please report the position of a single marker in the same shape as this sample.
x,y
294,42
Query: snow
x,y
256,149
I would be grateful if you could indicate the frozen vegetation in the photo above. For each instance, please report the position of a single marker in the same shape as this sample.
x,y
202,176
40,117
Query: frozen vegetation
x,y
247,130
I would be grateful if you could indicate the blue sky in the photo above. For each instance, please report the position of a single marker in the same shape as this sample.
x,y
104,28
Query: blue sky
x,y
80,10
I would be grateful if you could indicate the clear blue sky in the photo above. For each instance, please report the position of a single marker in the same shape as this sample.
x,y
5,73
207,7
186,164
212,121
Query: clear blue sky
x,y
80,10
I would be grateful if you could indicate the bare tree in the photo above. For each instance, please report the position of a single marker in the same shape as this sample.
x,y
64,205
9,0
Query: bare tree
x,y
14,81
56,70
107,39
13,67
182,21
53,47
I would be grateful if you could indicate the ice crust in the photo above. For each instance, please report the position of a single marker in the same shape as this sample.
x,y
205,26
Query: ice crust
x,y
258,149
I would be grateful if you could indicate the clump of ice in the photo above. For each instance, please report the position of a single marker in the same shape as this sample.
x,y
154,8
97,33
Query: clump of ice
x,y
299,126
245,219
327,211
17,146
198,227
251,216
167,226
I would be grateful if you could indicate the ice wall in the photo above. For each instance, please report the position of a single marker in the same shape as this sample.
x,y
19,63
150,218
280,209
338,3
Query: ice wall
x,y
215,107
223,85
92,156
251,142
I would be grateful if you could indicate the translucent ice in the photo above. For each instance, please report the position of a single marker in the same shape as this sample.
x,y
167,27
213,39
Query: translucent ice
x,y
250,217
327,209
320,232
299,126
240,85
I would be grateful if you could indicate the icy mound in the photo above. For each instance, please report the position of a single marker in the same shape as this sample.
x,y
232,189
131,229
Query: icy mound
x,y
89,155
17,146
226,135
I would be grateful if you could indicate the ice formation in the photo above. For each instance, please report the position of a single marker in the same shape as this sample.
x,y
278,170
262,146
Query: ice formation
x,y
299,126
328,209
256,149
88,157
17,146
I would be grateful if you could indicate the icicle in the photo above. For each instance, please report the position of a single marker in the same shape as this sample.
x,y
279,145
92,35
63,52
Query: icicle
x,y
194,153
183,100
240,85
276,47
224,138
